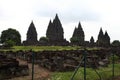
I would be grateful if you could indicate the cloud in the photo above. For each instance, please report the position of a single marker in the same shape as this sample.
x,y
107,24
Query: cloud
x,y
80,16
68,11
93,14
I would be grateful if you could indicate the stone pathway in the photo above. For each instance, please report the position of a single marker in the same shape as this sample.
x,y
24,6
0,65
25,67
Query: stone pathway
x,y
39,73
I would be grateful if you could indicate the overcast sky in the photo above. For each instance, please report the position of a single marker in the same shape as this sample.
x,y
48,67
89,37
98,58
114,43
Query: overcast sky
x,y
93,14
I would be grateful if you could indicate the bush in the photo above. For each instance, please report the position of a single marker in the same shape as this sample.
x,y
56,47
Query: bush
x,y
116,58
44,39
116,43
74,39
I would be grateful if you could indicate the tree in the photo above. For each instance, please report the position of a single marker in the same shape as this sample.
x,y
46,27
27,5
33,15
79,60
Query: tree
x,y
74,40
45,39
9,43
116,43
10,36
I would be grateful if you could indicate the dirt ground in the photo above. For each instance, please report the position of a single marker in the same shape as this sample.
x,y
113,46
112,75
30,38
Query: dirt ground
x,y
117,78
39,73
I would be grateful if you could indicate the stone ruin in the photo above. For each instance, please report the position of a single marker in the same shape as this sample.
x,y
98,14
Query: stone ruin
x,y
55,33
31,36
9,68
55,36
66,60
78,37
103,39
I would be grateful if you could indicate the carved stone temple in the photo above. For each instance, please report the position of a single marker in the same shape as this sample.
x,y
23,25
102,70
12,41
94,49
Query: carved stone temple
x,y
55,33
31,35
78,37
103,39
55,36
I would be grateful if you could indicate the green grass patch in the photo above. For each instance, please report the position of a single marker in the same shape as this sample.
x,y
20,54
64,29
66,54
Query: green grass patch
x,y
105,73
47,48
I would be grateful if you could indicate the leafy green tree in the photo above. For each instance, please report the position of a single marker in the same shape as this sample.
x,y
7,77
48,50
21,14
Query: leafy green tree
x,y
9,43
116,43
44,39
10,36
74,40
116,58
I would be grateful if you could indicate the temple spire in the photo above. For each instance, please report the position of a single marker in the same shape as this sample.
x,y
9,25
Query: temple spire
x,y
78,36
55,32
31,35
56,16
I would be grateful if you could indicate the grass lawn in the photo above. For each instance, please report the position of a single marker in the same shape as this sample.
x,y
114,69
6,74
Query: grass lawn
x,y
105,73
42,48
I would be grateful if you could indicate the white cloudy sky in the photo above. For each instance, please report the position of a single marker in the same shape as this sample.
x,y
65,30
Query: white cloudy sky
x,y
92,14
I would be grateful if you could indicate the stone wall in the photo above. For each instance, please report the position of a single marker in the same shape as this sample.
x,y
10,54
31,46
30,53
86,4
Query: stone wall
x,y
9,66
66,60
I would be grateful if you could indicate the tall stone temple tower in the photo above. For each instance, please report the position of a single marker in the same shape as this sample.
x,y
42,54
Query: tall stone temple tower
x,y
55,32
78,37
103,39
31,35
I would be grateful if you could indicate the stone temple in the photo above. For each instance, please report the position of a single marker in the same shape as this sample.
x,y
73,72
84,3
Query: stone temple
x,y
55,36
103,39
31,35
78,37
55,33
